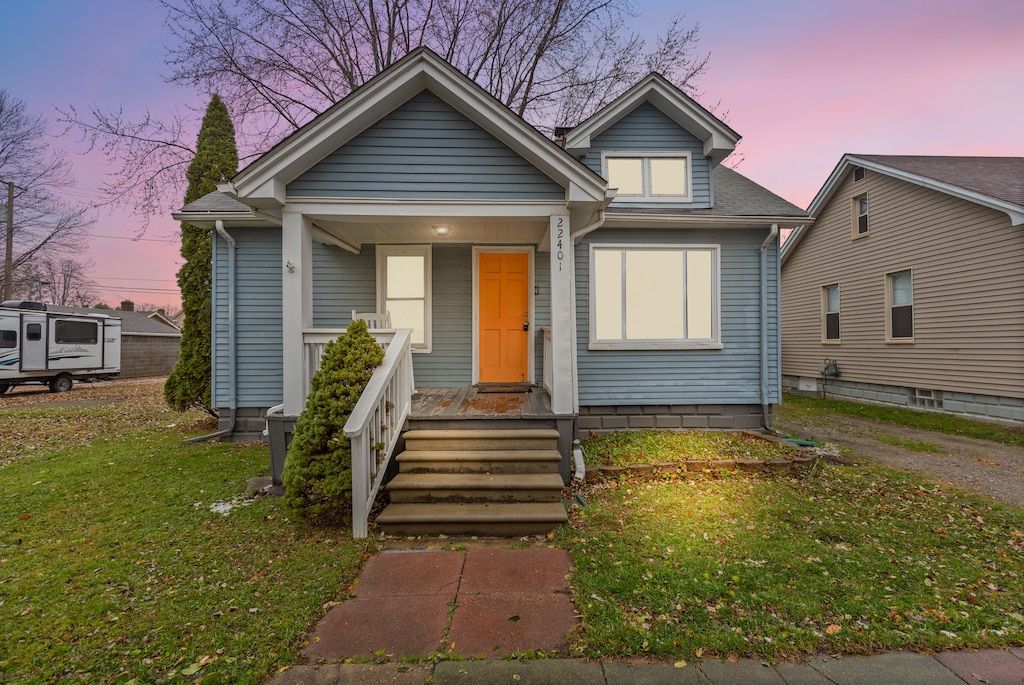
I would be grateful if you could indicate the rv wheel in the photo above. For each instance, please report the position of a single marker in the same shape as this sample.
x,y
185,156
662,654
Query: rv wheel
x,y
4,387
61,383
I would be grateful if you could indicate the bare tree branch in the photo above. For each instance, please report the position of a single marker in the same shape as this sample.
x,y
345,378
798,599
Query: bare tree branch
x,y
279,63
44,223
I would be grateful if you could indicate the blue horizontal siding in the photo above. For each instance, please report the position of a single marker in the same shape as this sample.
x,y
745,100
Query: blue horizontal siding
x,y
648,129
731,375
425,149
258,344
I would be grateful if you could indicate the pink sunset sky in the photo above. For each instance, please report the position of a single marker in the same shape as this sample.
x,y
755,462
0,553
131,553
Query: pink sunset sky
x,y
803,81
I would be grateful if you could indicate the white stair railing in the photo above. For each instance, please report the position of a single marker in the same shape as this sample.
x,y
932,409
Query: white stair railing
x,y
376,424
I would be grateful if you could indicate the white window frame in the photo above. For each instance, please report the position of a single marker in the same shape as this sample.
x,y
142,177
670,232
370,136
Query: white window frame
x,y
714,343
825,312
645,171
385,251
889,305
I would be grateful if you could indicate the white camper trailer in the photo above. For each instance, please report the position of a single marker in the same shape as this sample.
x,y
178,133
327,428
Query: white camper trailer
x,y
37,346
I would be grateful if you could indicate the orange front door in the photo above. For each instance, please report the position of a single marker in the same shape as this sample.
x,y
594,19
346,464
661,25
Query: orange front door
x,y
504,314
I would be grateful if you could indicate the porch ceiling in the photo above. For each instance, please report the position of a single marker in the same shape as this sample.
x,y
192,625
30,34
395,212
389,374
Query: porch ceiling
x,y
421,229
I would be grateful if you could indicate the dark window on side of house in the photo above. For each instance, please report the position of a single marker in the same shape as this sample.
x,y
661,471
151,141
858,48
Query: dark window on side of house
x,y
862,214
8,339
901,305
75,332
34,332
831,294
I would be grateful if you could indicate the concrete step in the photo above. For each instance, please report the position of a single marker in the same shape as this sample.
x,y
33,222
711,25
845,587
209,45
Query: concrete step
x,y
535,518
475,487
479,461
475,439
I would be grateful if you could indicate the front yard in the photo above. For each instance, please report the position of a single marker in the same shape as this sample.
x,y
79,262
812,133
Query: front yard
x,y
115,563
126,555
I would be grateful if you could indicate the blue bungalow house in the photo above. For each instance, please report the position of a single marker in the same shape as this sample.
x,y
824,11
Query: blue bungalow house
x,y
528,291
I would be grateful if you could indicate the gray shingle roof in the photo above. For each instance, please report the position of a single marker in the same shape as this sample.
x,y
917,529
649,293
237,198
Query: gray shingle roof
x,y
735,195
215,202
998,177
131,322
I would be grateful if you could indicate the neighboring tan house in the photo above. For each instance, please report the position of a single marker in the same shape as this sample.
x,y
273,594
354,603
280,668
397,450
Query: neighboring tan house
x,y
911,281
149,341
524,290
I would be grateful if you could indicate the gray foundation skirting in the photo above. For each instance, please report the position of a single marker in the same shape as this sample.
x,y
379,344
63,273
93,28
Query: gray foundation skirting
x,y
1005,410
610,419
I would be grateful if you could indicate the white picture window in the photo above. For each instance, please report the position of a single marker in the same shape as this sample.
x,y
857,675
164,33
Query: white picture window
x,y
649,297
649,176
403,289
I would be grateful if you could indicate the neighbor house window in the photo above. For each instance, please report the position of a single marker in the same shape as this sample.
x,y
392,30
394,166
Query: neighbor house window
x,y
860,216
649,176
899,295
647,297
75,332
830,306
403,289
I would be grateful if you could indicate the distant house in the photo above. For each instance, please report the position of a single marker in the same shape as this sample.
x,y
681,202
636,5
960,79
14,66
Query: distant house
x,y
149,341
912,281
619,278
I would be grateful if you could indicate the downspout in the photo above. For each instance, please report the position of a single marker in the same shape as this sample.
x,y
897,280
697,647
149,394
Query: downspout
x,y
232,388
765,406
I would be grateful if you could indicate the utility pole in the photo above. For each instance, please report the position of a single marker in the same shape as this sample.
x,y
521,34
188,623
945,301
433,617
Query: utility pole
x,y
9,248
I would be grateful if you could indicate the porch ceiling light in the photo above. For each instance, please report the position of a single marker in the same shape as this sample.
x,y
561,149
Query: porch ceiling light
x,y
442,230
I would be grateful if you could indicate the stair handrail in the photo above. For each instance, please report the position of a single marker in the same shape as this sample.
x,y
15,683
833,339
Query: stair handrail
x,y
376,424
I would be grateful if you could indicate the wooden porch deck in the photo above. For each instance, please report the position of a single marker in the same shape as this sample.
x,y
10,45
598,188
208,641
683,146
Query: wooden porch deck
x,y
480,403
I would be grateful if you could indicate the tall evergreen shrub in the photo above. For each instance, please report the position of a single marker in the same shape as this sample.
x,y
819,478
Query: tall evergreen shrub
x,y
318,469
216,158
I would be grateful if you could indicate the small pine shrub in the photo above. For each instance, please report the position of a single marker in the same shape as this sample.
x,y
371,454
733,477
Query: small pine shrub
x,y
318,469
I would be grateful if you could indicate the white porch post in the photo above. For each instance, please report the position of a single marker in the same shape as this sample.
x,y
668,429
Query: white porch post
x,y
297,303
563,327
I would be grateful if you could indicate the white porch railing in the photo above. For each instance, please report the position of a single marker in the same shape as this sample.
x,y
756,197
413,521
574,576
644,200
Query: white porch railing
x,y
376,422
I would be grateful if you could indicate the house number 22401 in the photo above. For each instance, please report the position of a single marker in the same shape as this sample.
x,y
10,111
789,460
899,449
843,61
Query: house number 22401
x,y
560,255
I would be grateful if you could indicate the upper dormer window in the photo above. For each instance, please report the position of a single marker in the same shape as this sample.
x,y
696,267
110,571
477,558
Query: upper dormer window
x,y
649,176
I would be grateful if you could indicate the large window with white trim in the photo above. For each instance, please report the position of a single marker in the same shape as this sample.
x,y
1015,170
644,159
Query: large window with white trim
x,y
403,289
654,297
649,176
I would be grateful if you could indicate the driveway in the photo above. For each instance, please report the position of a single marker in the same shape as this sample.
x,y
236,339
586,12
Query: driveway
x,y
987,467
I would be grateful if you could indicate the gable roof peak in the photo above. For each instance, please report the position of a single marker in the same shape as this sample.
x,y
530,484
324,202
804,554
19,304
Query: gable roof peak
x,y
263,183
719,139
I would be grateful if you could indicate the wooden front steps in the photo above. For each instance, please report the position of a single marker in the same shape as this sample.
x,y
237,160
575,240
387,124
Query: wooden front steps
x,y
476,482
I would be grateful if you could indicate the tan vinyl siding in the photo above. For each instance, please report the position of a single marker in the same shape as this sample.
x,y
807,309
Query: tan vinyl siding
x,y
968,291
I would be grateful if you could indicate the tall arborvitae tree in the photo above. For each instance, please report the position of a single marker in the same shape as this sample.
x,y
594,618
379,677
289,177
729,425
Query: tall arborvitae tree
x,y
216,159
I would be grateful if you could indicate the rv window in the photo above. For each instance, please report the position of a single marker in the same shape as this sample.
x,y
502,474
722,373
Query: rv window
x,y
81,332
8,339
34,332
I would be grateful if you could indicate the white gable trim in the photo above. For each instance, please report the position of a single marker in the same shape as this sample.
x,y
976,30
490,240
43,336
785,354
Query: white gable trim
x,y
262,183
719,139
1015,212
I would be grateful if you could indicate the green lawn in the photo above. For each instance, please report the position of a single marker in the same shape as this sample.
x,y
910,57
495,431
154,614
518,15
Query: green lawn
x,y
630,448
798,409
114,568
835,559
